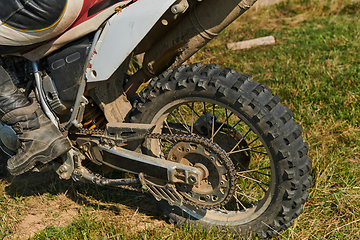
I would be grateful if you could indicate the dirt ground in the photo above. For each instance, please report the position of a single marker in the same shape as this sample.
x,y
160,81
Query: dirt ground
x,y
58,212
36,201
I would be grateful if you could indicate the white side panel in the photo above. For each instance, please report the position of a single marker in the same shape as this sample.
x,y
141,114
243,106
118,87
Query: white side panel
x,y
122,34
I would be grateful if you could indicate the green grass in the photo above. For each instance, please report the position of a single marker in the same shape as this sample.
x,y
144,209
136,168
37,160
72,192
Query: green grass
x,y
314,67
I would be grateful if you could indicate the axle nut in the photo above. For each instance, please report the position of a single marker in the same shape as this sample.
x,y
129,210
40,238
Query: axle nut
x,y
192,179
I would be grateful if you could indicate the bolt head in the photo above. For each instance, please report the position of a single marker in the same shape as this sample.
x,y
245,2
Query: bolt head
x,y
174,9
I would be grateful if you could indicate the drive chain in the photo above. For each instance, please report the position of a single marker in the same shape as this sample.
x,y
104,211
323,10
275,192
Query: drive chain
x,y
224,159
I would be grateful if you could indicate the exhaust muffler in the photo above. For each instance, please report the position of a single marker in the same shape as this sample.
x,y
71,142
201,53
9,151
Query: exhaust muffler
x,y
200,25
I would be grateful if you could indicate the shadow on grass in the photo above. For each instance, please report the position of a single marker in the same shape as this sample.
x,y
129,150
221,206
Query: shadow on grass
x,y
85,194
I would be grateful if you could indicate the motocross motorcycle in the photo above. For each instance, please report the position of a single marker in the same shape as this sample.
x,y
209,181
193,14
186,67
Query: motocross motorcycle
x,y
213,147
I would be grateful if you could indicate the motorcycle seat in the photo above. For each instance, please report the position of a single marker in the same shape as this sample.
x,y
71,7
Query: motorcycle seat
x,y
26,24
31,15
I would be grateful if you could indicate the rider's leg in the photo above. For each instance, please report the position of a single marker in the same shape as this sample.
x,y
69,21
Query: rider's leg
x,y
40,140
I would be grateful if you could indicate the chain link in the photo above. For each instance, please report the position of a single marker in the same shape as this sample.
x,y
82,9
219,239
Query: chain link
x,y
85,131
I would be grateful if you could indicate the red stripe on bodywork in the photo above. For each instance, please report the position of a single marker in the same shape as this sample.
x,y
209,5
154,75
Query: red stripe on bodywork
x,y
88,4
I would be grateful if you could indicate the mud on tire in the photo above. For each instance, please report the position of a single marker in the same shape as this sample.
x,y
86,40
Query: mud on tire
x,y
249,123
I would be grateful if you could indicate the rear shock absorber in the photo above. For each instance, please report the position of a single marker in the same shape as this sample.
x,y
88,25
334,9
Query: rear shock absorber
x,y
93,117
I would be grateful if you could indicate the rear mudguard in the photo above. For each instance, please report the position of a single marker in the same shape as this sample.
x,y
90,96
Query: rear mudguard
x,y
121,34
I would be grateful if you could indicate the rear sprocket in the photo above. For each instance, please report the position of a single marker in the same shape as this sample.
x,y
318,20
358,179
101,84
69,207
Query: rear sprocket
x,y
219,176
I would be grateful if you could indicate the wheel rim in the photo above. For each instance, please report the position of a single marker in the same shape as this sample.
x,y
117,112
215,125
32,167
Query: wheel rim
x,y
248,151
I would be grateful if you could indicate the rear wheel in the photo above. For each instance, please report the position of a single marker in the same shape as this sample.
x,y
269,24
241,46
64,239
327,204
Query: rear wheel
x,y
255,133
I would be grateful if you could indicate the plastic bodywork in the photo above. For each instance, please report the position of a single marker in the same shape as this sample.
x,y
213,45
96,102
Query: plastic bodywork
x,y
121,34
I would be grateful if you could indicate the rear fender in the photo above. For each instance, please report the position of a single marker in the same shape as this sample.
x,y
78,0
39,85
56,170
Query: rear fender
x,y
121,34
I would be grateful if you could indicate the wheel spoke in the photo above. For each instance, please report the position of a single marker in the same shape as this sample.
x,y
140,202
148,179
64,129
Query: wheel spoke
x,y
253,141
224,210
167,125
264,153
222,124
253,179
238,202
257,171
245,195
192,108
227,118
249,197
243,138
163,146
185,123
186,127
206,120
237,122
213,123
247,149
192,118
169,141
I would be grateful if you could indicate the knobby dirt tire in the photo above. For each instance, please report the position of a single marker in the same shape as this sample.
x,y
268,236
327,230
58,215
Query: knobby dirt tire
x,y
271,121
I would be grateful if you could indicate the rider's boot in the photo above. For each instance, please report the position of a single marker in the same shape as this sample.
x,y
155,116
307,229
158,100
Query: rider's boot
x,y
40,140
